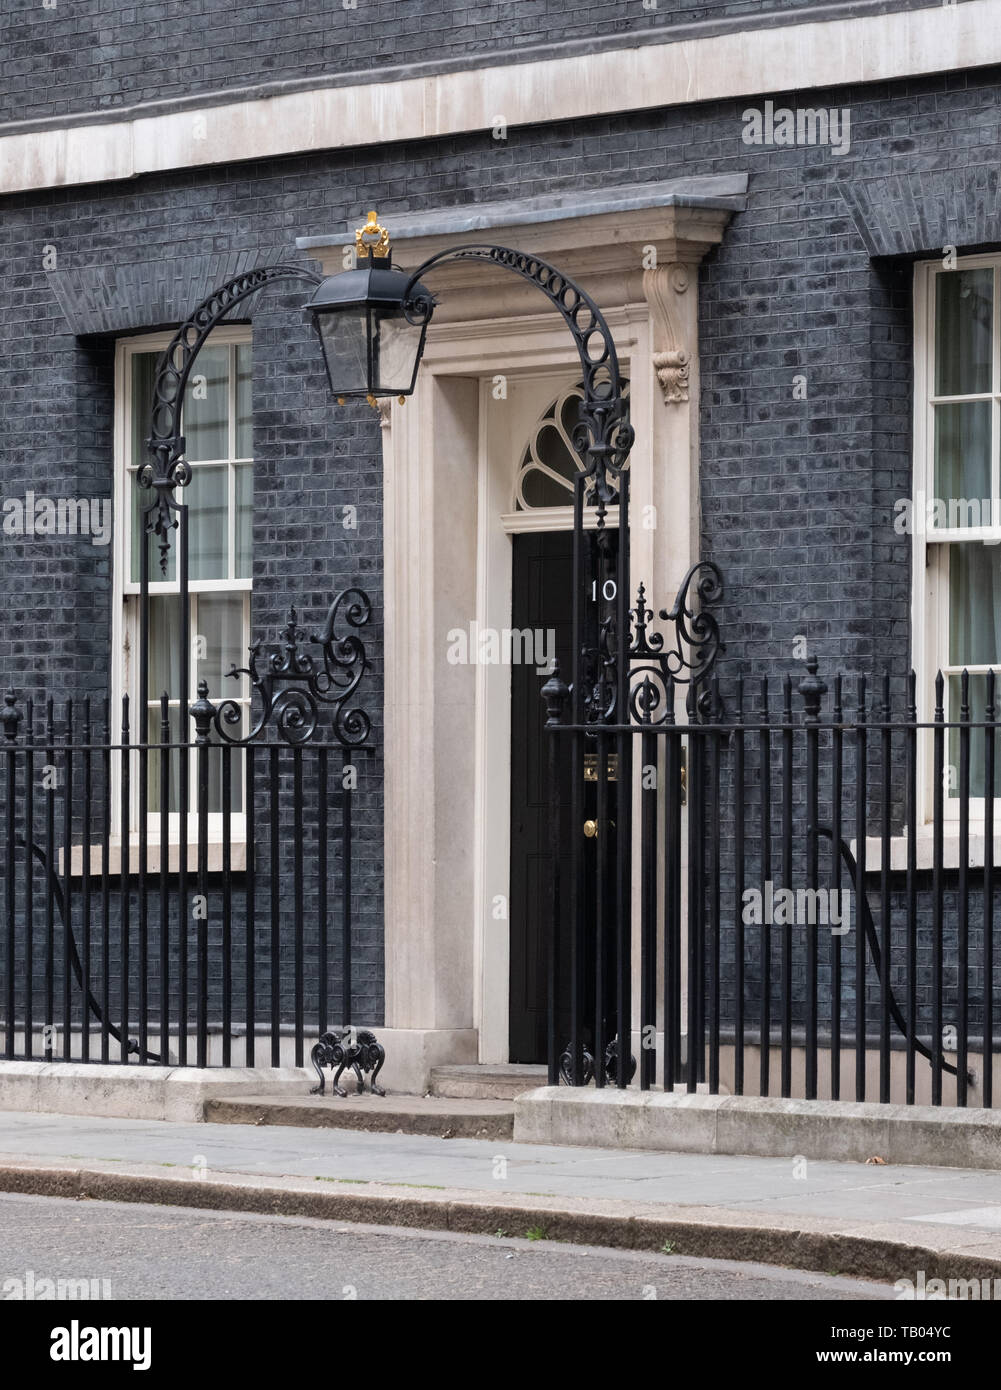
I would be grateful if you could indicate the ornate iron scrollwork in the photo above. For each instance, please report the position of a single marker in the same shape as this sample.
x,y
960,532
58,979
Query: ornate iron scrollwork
x,y
355,1048
598,668
696,646
293,684
169,469
586,1065
587,1069
654,668
612,1063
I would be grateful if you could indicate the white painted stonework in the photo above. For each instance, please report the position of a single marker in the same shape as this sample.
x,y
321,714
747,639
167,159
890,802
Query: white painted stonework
x,y
792,57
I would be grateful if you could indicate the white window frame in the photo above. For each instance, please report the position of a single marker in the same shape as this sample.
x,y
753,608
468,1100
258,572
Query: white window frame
x,y
930,548
125,610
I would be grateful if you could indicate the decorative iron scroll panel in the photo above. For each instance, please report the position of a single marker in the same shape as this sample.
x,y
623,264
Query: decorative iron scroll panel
x,y
293,685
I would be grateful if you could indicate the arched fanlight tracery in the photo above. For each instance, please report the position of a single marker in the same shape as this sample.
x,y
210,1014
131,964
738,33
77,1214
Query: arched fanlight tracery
x,y
550,460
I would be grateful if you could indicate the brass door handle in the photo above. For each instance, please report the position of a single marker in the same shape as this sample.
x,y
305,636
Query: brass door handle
x,y
590,829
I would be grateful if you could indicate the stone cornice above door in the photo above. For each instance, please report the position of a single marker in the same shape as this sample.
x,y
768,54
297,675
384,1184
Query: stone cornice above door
x,y
608,239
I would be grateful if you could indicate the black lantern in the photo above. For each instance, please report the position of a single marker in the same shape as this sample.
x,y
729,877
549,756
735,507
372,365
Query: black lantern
x,y
372,322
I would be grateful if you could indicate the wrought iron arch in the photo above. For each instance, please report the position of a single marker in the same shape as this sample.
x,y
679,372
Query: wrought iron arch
x,y
294,684
169,468
603,437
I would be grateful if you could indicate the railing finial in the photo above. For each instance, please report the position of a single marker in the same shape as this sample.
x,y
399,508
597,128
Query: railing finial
x,y
813,690
202,712
556,693
11,716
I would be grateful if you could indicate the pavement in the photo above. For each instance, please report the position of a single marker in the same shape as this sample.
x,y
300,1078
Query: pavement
x,y
872,1221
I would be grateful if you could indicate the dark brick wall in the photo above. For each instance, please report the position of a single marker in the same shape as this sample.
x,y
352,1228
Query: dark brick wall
x,y
94,56
796,495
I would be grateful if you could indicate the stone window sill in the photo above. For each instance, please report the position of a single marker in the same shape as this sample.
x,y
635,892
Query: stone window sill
x,y
237,857
925,849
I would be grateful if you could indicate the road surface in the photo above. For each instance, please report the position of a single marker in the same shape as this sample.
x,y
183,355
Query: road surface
x,y
151,1252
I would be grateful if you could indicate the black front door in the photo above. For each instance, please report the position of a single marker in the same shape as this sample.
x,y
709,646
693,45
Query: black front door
x,y
542,599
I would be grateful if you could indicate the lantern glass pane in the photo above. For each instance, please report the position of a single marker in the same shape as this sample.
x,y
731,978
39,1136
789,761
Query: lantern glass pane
x,y
399,344
345,346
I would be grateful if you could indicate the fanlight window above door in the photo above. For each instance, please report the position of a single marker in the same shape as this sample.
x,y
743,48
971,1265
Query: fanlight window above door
x,y
550,461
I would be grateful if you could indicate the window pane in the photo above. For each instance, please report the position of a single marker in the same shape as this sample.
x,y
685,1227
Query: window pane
x,y
964,312
206,406
208,519
244,404
244,521
215,769
164,647
539,490
155,766
143,372
974,605
236,763
978,704
221,644
551,450
963,456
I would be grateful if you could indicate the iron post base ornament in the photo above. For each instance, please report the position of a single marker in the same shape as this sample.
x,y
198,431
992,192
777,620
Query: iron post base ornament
x,y
357,1048
587,1064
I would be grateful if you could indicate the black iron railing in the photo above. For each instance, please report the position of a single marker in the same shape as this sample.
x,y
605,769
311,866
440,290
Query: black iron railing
x,y
147,926
812,911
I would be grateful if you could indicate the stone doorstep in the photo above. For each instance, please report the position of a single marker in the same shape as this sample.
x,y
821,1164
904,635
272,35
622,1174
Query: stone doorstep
x,y
487,1081
763,1127
868,1250
428,1115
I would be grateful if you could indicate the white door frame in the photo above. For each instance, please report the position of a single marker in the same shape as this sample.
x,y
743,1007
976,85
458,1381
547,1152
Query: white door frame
x,y
465,776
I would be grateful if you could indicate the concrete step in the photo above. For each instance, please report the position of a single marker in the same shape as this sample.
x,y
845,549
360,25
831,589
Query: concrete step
x,y
443,1119
487,1081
